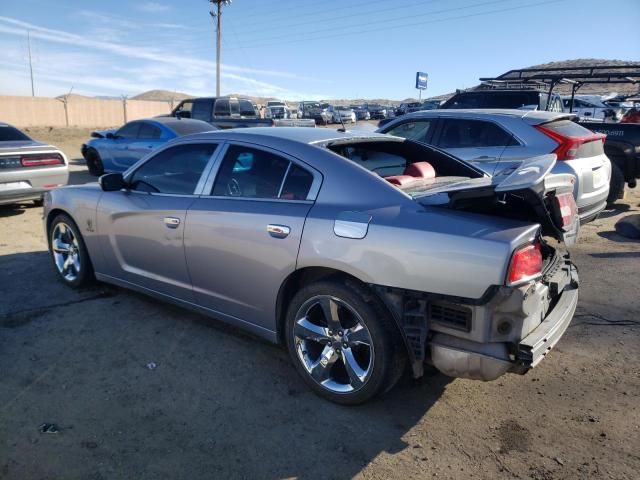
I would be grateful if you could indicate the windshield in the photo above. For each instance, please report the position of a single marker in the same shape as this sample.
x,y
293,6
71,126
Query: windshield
x,y
412,167
11,134
499,100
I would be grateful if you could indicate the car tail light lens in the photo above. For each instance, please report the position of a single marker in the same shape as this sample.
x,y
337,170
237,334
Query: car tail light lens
x,y
568,145
566,205
42,160
526,264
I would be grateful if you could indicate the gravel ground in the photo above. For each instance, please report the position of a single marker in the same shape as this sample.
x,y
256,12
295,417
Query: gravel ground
x,y
222,404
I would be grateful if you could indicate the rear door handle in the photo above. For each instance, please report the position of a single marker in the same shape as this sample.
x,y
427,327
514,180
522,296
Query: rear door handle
x,y
278,231
171,222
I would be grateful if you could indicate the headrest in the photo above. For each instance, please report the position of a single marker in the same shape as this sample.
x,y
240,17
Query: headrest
x,y
420,170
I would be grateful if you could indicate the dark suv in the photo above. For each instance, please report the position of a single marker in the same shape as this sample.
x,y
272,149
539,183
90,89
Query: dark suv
x,y
495,98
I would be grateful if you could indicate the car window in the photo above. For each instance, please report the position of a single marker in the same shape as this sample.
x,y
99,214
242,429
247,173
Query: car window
x,y
222,108
202,109
459,133
129,130
253,173
184,109
175,170
412,130
149,131
246,108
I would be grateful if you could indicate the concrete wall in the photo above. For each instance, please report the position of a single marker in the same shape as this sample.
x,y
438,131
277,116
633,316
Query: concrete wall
x,y
81,111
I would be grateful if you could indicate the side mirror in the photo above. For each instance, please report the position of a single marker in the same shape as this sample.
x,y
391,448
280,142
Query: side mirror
x,y
111,182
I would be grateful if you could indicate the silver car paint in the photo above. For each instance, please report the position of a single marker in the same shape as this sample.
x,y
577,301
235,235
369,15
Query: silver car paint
x,y
403,241
589,198
33,182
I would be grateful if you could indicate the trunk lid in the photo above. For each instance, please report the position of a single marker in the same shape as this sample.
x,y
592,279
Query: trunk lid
x,y
524,192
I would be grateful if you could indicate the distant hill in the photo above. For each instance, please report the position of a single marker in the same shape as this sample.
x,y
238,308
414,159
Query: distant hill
x,y
161,96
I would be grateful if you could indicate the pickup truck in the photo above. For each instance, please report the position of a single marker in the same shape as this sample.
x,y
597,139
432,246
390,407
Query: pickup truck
x,y
622,146
230,112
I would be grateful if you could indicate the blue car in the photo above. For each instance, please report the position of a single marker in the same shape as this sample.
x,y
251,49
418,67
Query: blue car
x,y
116,150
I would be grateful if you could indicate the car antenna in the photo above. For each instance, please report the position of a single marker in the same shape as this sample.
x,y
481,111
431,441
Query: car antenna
x,y
343,129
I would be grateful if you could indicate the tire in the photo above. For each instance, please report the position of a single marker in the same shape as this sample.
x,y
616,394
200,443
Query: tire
x,y
94,163
616,185
68,252
364,358
38,203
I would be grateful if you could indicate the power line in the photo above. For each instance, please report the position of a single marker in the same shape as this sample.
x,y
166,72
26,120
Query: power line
x,y
332,10
391,27
387,20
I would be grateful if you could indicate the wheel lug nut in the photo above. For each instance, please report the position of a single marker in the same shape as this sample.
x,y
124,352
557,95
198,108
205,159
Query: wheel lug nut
x,y
345,345
340,333
330,332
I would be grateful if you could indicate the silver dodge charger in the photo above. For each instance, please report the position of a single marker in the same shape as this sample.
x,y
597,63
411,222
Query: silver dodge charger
x,y
363,254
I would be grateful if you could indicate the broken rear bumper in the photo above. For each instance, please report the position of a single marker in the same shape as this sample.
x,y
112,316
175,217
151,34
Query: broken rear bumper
x,y
535,346
463,358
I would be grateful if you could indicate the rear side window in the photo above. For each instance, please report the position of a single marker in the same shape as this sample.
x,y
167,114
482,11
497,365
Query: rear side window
x,y
202,110
222,108
11,134
130,130
458,133
568,128
412,130
246,108
149,131
175,170
252,173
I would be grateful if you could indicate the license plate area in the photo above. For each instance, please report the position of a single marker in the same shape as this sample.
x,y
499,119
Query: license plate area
x,y
599,177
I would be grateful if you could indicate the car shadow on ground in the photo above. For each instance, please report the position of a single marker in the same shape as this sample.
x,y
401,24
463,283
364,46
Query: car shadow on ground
x,y
614,210
159,392
78,177
14,209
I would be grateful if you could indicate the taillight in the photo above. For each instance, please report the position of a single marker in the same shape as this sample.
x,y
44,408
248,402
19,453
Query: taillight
x,y
42,160
566,205
568,146
526,264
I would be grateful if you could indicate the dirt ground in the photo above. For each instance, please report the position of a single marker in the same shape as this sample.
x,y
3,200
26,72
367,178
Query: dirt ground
x,y
222,404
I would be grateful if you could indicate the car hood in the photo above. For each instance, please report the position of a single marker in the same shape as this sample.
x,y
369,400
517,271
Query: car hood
x,y
102,133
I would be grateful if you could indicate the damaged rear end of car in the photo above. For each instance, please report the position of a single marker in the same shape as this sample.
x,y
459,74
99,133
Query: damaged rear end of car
x,y
513,325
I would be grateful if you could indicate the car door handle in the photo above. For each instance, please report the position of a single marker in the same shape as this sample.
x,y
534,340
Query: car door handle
x,y
278,231
171,222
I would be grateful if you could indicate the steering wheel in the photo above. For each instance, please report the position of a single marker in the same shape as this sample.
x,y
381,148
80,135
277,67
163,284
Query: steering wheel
x,y
233,188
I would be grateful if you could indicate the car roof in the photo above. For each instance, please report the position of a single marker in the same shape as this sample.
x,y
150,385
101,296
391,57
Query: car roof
x,y
534,116
304,135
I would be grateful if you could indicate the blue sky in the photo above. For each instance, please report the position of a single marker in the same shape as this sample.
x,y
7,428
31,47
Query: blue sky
x,y
298,49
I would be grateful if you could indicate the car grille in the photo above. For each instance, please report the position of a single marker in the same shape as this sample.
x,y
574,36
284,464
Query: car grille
x,y
451,316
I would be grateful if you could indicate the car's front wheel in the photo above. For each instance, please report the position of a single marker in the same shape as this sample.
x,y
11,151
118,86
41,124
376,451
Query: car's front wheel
x,y
94,163
69,253
343,342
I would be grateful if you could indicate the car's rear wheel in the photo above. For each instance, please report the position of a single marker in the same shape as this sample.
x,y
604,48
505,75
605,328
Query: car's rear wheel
x,y
343,342
69,253
94,163
616,185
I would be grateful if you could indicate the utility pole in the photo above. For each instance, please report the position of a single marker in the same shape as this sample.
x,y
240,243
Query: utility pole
x,y
33,94
218,16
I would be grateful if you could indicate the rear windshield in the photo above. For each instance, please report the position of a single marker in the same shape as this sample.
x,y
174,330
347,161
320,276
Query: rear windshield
x,y
185,127
11,134
568,128
494,100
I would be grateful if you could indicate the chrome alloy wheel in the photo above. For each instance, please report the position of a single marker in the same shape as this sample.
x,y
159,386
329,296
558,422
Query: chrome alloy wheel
x,y
66,251
333,344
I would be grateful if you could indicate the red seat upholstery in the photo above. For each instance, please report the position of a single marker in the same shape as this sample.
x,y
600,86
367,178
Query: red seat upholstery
x,y
420,170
